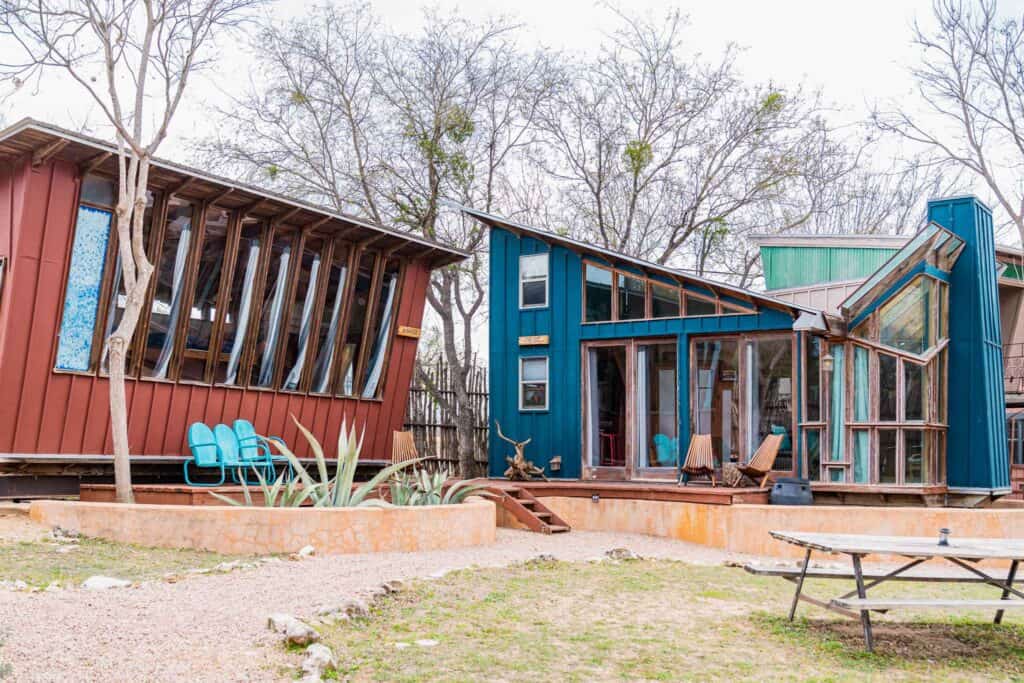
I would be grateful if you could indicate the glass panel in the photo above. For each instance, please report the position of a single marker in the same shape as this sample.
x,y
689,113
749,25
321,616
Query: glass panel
x,y
836,475
886,456
167,293
385,314
658,423
914,462
632,298
533,278
861,384
203,312
915,391
863,330
240,302
115,309
861,456
272,308
812,377
903,322
326,346
716,405
697,306
886,388
838,403
357,321
598,294
943,314
534,384
813,440
99,191
606,406
942,381
664,301
82,296
771,405
299,322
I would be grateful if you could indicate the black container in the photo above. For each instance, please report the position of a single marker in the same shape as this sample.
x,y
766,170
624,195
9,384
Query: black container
x,y
792,491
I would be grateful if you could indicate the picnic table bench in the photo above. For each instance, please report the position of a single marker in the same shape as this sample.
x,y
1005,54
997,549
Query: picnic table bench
x,y
963,553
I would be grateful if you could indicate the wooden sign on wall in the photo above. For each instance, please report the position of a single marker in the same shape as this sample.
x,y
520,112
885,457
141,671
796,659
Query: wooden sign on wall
x,y
410,332
534,340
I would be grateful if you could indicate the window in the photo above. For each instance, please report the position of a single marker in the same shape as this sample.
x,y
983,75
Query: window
x,y
357,323
914,457
770,403
664,301
82,294
598,294
915,391
533,383
169,288
697,306
632,298
203,311
330,321
812,382
887,398
904,322
887,456
239,304
657,421
533,281
299,323
812,441
271,310
387,300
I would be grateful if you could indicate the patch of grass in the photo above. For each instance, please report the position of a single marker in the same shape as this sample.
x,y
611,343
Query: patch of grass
x,y
655,620
39,563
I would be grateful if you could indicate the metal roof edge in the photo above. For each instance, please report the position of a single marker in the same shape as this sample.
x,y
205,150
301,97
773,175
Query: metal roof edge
x,y
484,217
105,146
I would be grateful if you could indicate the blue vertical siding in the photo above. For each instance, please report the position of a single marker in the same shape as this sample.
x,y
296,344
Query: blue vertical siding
x,y
558,431
976,452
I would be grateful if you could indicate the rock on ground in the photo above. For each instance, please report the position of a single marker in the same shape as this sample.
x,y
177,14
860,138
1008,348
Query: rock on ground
x,y
102,583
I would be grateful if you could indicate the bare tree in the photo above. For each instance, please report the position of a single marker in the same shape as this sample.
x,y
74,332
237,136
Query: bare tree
x,y
134,59
392,127
653,151
969,110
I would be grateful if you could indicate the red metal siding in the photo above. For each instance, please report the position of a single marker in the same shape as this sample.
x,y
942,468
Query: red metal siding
x,y
48,412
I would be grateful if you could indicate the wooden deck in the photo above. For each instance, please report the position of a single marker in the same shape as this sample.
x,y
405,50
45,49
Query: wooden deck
x,y
635,490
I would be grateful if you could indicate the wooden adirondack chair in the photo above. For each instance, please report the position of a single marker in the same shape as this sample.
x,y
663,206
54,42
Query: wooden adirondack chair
x,y
700,460
403,447
760,466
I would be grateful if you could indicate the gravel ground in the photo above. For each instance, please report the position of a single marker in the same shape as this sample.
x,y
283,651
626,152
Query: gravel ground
x,y
212,627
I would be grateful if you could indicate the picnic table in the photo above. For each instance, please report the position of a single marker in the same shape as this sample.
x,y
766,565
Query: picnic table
x,y
962,552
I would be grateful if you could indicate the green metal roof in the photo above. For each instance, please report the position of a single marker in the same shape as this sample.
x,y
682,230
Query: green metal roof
x,y
798,266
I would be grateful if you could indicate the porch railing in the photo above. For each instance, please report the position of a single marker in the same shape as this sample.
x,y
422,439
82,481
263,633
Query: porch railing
x,y
1013,368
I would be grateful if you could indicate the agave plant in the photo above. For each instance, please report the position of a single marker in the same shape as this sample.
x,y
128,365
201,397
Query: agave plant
x,y
325,490
420,487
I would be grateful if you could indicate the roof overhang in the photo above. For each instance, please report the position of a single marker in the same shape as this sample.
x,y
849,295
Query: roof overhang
x,y
674,274
933,244
42,142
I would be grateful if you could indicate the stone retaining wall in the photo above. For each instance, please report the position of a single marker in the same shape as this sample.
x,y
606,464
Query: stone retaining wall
x,y
259,530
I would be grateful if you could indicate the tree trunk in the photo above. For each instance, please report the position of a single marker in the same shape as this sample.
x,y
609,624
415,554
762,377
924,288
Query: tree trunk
x,y
119,419
464,422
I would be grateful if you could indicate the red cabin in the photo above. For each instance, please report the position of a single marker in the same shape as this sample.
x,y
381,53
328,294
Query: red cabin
x,y
260,307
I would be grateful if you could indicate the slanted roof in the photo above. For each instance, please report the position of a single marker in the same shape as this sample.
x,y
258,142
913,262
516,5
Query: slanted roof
x,y
933,242
673,274
43,141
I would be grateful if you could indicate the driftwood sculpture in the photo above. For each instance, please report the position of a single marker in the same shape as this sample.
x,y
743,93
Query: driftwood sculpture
x,y
519,468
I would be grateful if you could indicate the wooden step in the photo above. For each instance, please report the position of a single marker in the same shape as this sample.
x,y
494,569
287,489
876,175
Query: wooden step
x,y
558,528
529,511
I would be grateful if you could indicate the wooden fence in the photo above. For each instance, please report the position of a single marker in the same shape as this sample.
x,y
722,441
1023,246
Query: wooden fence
x,y
433,426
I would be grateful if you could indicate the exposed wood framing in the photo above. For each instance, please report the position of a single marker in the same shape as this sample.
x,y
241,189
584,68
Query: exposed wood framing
x,y
93,162
46,152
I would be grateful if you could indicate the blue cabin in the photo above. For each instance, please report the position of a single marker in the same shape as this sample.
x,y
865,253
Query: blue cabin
x,y
610,364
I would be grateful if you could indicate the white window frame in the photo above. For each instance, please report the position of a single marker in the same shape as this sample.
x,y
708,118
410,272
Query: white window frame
x,y
547,276
546,382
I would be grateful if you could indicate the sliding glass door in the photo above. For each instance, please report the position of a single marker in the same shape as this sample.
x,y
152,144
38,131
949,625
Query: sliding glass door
x,y
606,410
657,419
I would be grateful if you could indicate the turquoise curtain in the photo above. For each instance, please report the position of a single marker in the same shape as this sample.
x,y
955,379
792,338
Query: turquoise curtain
x,y
838,416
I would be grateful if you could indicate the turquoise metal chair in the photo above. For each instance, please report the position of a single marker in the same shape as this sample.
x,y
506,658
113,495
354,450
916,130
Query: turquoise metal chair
x,y
255,449
205,453
665,450
230,453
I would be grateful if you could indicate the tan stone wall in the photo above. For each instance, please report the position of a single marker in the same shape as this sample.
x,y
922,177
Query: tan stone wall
x,y
257,530
744,528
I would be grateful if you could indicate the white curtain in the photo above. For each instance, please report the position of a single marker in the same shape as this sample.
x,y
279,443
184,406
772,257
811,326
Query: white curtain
x,y
180,259
267,362
242,321
325,357
380,344
295,374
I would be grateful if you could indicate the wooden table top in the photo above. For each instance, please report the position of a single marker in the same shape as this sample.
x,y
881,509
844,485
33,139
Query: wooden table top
x,y
909,546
